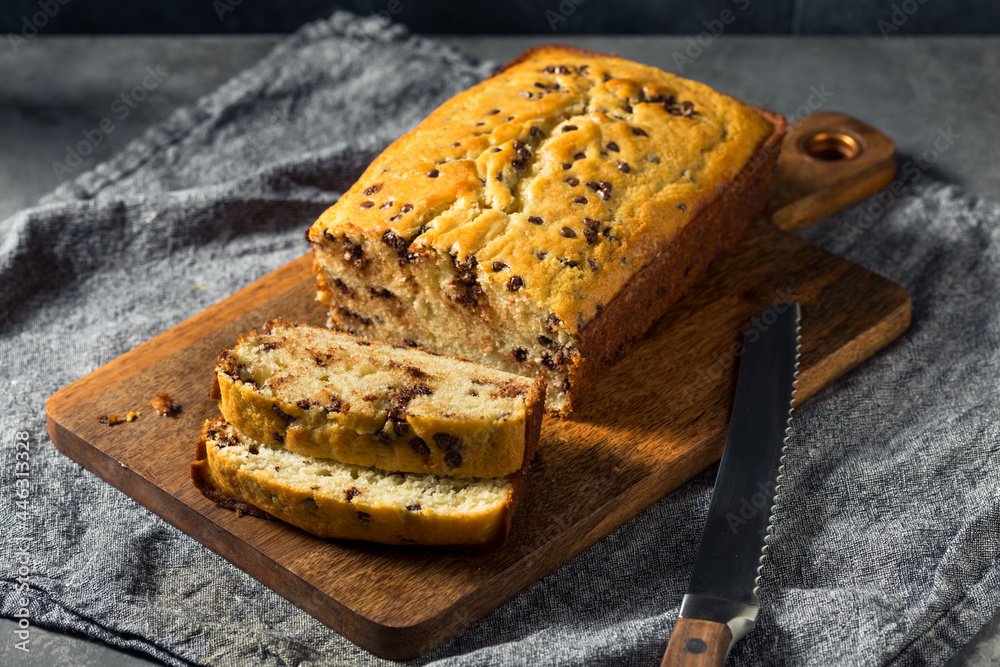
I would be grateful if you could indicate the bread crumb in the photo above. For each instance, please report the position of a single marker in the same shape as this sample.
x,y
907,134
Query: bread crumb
x,y
132,416
109,420
165,405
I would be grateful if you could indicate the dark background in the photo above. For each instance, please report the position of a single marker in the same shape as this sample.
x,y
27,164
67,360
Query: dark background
x,y
804,17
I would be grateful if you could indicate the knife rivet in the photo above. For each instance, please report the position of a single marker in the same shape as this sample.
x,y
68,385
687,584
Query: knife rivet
x,y
695,645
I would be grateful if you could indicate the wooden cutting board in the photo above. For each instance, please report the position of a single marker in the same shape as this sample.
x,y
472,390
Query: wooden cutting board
x,y
654,421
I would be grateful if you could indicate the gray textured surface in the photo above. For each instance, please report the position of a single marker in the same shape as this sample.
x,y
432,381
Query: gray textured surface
x,y
893,100
776,17
58,87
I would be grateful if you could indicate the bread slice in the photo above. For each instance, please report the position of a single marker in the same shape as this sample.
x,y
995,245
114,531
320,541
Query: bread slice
x,y
544,219
364,402
332,499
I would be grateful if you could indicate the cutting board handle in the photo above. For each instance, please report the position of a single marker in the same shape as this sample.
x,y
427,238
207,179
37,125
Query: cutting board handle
x,y
828,162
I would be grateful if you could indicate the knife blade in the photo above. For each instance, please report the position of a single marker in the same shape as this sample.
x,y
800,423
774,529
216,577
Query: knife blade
x,y
721,603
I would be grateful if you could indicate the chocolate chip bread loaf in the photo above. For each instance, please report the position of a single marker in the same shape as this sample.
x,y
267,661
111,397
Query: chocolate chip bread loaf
x,y
332,395
542,220
332,499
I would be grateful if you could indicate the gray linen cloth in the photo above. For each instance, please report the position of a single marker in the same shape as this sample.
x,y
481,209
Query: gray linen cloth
x,y
886,531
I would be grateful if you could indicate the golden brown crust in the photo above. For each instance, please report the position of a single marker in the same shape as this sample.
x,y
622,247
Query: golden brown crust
x,y
201,476
257,492
605,339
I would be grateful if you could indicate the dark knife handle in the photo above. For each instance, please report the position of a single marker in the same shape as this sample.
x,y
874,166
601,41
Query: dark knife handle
x,y
697,643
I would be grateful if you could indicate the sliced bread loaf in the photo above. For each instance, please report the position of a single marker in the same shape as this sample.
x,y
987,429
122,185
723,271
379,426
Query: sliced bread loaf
x,y
332,395
332,499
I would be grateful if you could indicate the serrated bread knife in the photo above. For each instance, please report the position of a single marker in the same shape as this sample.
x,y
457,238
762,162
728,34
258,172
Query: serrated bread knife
x,y
720,606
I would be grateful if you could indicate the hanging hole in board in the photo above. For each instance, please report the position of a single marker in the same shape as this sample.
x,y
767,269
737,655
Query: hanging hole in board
x,y
832,146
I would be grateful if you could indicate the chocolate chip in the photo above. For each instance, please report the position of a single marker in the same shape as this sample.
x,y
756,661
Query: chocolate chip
x,y
548,362
456,144
406,208
623,166
525,93
396,218
372,189
567,232
535,220
639,132
364,343
592,224
581,200
480,123
627,108
496,149
415,507
593,185
281,413
567,165
545,341
520,354
515,283
569,128
612,146
541,254
592,264
599,308
590,235
579,156
394,240
493,112
573,181
367,203
337,405
498,266
351,494
604,194
418,446
433,173
448,443
304,403
682,207
535,132
568,262
509,118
